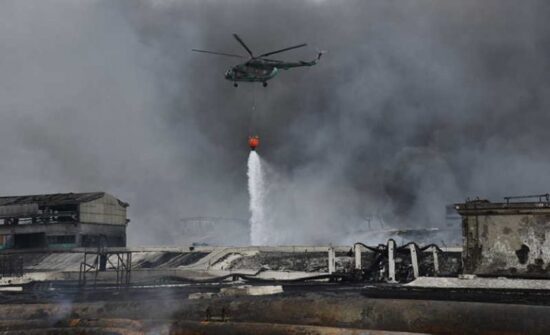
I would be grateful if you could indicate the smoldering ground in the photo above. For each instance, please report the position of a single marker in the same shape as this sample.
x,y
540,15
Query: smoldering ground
x,y
416,105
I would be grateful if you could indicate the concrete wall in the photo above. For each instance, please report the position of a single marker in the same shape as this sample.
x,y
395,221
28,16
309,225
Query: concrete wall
x,y
18,210
506,239
106,209
115,234
102,219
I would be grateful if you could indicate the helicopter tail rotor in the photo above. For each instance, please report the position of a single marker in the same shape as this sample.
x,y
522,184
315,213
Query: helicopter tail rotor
x,y
320,53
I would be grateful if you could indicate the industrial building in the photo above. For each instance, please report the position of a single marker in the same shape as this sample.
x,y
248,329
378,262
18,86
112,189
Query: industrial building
x,y
64,220
510,238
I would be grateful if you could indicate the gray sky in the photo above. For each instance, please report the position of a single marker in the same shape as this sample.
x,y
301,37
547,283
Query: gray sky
x,y
416,104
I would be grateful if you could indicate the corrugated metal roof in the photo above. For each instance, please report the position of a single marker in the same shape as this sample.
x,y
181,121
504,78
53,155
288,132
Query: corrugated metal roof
x,y
53,199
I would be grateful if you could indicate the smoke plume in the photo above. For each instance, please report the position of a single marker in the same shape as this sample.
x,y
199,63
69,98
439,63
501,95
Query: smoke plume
x,y
416,105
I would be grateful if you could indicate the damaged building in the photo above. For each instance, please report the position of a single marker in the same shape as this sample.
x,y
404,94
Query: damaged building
x,y
509,238
64,220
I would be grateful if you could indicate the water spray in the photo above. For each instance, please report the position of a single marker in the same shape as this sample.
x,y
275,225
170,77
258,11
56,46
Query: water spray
x,y
257,193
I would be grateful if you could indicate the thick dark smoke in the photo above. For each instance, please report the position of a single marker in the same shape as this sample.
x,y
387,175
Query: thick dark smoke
x,y
417,104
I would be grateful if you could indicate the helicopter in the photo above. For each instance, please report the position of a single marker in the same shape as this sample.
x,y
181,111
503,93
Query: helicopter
x,y
259,68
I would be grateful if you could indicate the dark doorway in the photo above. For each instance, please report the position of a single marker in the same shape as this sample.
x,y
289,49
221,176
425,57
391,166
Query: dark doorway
x,y
26,241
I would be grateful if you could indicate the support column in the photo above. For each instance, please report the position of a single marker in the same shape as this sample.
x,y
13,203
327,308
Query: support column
x,y
391,261
414,260
331,260
436,261
357,253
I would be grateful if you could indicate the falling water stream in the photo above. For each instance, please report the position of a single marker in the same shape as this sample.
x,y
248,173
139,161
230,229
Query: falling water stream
x,y
257,193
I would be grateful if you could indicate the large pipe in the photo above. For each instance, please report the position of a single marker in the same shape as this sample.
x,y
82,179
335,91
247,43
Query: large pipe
x,y
132,327
347,310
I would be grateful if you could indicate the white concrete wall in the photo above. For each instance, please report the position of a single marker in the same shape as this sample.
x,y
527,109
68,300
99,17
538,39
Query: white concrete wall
x,y
106,210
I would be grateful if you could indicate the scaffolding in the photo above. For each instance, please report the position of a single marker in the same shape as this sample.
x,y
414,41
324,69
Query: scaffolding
x,y
95,262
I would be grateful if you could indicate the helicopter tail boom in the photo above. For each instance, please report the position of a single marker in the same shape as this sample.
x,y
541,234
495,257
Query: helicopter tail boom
x,y
286,66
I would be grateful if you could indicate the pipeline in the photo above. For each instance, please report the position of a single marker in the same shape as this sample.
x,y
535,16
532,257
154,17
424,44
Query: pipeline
x,y
385,268
352,310
330,277
73,326
132,327
234,275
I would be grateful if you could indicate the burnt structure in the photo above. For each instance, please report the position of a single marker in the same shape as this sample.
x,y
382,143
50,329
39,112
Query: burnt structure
x,y
61,221
510,238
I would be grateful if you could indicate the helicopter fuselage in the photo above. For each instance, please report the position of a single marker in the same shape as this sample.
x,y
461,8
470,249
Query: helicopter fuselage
x,y
259,68
252,71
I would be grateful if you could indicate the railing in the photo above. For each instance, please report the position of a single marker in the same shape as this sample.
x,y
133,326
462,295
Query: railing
x,y
40,218
545,196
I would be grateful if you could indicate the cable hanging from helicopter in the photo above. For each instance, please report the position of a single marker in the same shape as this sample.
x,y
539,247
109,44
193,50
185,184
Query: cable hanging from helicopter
x,y
253,140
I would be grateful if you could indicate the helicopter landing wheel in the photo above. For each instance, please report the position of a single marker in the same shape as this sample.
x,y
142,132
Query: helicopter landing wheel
x,y
235,85
264,84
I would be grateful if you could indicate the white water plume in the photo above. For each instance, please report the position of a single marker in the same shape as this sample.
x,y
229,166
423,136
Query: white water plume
x,y
257,192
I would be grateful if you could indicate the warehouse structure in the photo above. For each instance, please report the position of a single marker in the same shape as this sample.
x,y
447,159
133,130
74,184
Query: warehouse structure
x,y
64,220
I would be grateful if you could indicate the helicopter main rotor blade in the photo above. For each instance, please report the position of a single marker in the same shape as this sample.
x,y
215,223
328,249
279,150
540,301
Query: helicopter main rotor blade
x,y
244,45
273,60
217,53
283,50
